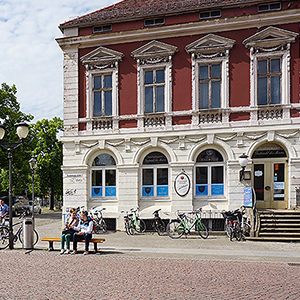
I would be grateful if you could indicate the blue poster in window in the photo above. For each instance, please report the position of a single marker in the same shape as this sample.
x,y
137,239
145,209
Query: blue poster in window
x,y
148,191
248,196
201,190
110,191
96,191
162,190
217,189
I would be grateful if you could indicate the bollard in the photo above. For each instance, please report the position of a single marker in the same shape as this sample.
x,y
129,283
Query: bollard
x,y
28,234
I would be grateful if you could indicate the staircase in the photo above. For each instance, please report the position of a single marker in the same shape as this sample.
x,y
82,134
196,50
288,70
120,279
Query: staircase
x,y
278,225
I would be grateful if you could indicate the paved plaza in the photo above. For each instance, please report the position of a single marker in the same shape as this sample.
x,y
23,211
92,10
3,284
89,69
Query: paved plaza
x,y
148,266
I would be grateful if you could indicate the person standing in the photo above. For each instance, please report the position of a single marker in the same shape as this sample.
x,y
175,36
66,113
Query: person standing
x,y
3,211
84,228
67,234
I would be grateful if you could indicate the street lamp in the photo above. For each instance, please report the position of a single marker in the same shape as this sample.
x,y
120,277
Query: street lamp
x,y
33,164
243,160
22,132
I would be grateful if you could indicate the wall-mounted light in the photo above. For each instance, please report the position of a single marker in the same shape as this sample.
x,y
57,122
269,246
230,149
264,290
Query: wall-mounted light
x,y
243,161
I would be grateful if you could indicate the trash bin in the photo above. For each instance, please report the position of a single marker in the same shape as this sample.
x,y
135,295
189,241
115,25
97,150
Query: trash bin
x,y
28,234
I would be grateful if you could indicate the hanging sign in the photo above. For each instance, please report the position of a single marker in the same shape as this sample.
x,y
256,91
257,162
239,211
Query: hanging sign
x,y
182,184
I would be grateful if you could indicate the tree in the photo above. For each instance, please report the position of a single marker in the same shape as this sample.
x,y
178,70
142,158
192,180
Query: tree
x,y
49,155
10,114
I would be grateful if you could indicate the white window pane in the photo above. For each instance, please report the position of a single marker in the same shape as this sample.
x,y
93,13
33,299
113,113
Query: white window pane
x,y
262,91
275,90
204,97
216,94
148,77
97,104
148,99
160,99
108,103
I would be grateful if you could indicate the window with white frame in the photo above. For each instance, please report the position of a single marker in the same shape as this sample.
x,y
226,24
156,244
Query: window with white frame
x,y
155,175
210,86
154,77
210,71
102,95
269,81
270,66
209,174
154,90
102,67
103,176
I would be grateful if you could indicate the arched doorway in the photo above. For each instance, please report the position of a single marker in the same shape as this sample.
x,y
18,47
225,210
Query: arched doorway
x,y
269,169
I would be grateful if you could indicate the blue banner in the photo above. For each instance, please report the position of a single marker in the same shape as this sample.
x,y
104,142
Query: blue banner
x,y
148,191
96,191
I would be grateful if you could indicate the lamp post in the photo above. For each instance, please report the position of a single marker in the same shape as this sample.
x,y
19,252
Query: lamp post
x,y
22,132
243,161
33,164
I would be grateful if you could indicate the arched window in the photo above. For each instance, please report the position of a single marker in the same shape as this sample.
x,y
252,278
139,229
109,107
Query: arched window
x,y
155,175
209,173
104,176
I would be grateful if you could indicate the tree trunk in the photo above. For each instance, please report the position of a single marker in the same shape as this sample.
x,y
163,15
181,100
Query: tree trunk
x,y
52,197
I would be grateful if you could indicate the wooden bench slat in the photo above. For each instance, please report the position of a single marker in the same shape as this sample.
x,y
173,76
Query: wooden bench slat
x,y
56,239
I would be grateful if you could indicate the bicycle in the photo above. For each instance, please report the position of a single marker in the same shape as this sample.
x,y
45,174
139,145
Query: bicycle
x,y
158,223
235,224
4,234
97,217
133,222
176,228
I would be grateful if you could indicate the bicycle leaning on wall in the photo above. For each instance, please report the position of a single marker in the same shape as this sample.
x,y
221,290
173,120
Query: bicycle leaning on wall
x,y
185,223
133,222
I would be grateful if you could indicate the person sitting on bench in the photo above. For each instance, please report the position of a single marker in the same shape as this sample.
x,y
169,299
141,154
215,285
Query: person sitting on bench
x,y
85,228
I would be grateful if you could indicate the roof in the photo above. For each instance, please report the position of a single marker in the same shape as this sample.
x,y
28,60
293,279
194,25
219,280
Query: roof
x,y
128,9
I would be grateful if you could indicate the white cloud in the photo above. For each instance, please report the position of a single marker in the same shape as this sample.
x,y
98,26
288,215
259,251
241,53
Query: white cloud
x,y
29,55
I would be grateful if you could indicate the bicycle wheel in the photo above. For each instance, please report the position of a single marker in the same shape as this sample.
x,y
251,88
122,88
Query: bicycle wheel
x,y
238,232
140,225
228,228
103,226
247,229
4,237
175,229
35,236
202,230
160,227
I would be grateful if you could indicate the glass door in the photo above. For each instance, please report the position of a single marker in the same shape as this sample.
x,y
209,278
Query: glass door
x,y
269,182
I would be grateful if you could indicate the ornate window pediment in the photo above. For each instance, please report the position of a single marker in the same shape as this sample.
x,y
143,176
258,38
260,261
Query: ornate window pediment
x,y
210,44
100,58
270,37
210,77
102,86
270,71
154,52
154,82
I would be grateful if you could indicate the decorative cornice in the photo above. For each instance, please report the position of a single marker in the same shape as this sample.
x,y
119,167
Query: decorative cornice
x,y
194,28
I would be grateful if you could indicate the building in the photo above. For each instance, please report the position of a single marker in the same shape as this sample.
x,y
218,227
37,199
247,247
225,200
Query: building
x,y
161,98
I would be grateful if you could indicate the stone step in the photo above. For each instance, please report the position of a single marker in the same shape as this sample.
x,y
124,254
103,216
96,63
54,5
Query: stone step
x,y
286,234
279,224
274,239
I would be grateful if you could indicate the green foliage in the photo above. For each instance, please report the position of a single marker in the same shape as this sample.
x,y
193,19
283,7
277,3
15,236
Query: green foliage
x,y
48,150
41,141
11,114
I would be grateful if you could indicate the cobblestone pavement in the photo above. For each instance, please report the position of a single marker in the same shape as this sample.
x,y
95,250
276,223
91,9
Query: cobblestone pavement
x,y
149,266
43,275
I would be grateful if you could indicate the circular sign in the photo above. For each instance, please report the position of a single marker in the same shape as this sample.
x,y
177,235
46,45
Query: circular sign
x,y
182,184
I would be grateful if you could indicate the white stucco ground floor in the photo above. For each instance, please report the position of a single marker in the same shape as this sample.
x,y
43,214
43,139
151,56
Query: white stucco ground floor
x,y
181,170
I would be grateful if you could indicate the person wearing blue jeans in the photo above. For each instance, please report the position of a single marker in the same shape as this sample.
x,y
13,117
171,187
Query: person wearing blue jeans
x,y
84,232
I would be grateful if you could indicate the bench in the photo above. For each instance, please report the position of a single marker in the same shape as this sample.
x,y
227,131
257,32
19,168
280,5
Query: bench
x,y
95,241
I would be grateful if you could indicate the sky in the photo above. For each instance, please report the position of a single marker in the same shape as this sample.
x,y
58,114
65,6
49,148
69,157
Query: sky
x,y
30,58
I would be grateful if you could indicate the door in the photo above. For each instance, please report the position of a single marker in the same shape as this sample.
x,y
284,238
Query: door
x,y
270,184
